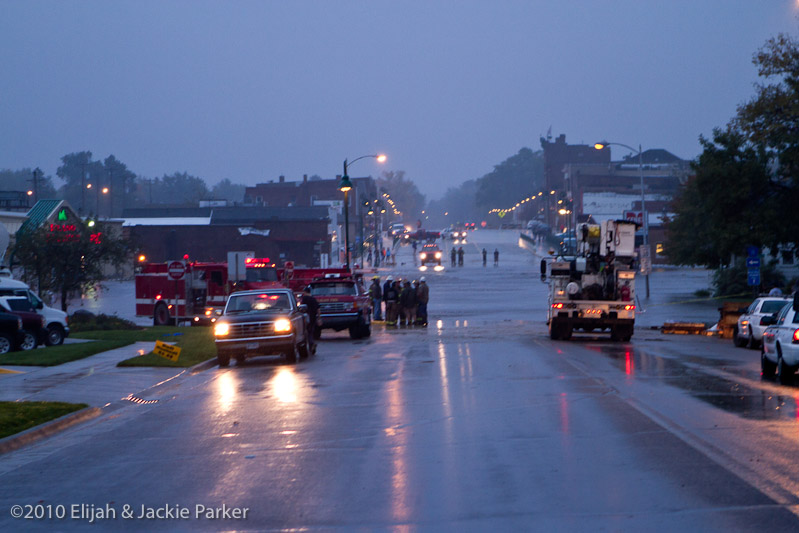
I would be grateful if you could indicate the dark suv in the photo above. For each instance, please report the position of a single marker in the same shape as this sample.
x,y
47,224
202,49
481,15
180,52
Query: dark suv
x,y
262,322
11,335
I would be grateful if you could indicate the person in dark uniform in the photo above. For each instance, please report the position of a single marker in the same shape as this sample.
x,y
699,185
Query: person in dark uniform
x,y
484,256
452,255
313,315
460,256
496,257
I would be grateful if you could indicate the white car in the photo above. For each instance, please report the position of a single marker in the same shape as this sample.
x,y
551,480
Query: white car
x,y
749,331
780,352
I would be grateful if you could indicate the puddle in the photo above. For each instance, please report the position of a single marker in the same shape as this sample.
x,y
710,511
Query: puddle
x,y
731,396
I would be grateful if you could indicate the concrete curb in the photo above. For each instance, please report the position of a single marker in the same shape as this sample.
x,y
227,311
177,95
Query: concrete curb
x,y
205,365
42,431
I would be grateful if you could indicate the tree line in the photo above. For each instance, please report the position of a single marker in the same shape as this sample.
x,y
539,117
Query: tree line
x,y
745,191
104,188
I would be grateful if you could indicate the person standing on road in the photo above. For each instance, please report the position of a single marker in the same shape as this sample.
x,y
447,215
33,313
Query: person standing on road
x,y
484,256
408,302
460,256
496,257
452,255
422,297
391,297
313,316
376,293
388,256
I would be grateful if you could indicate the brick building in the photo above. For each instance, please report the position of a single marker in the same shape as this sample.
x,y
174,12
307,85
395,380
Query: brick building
x,y
589,182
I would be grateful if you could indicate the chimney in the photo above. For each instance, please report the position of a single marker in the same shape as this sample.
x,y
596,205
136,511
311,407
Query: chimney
x,y
305,178
282,179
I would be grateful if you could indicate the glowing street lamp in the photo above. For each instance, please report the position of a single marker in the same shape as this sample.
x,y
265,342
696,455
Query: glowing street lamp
x,y
345,186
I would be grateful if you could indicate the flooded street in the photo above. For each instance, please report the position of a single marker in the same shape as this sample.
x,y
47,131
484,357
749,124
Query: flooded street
x,y
477,422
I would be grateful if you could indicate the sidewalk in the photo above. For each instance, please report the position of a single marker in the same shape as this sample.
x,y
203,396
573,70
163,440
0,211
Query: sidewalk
x,y
94,380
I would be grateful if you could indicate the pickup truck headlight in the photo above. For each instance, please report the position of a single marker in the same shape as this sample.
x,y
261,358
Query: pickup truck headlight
x,y
438,255
221,329
423,255
282,325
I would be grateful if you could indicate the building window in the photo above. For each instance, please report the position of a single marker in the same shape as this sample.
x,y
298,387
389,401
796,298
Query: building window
x,y
659,248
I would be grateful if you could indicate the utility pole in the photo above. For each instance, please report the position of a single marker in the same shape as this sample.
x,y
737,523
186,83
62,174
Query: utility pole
x,y
37,173
82,187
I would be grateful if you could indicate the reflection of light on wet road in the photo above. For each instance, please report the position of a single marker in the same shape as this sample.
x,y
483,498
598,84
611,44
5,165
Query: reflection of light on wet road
x,y
564,413
629,365
445,393
284,385
423,268
438,268
226,391
398,448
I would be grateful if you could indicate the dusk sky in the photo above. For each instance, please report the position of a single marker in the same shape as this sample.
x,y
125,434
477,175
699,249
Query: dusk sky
x,y
447,89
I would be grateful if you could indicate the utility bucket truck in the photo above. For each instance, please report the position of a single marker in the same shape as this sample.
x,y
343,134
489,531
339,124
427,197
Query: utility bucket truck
x,y
594,289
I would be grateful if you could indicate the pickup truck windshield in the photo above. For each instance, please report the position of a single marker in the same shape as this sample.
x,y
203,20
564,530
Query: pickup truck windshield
x,y
253,303
333,289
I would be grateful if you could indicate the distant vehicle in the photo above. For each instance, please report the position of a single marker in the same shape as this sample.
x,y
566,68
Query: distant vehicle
x,y
424,235
343,304
780,352
750,327
262,322
398,228
430,253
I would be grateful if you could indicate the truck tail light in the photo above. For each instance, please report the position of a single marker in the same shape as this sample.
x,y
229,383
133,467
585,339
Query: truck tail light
x,y
796,336
629,307
557,306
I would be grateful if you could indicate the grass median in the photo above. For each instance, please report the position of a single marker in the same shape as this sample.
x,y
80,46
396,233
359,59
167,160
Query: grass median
x,y
19,416
196,343
196,346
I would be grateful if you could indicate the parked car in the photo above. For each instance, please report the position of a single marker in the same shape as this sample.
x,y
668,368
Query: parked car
x,y
749,330
33,324
780,351
262,322
10,332
56,320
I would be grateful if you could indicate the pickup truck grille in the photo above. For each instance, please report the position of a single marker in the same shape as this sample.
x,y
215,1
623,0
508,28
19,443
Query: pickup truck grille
x,y
334,306
251,329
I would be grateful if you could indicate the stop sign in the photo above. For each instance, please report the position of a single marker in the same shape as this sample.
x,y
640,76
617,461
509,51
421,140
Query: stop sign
x,y
176,270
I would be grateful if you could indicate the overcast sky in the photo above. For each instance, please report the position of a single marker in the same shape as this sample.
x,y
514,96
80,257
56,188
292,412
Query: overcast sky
x,y
447,89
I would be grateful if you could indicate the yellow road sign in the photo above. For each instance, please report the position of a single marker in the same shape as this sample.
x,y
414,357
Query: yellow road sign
x,y
167,351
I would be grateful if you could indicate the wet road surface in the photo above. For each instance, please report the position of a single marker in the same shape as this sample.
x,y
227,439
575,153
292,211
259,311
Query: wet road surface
x,y
477,422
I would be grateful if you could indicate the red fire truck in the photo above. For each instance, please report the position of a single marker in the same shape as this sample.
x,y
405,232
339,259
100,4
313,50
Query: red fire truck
x,y
179,291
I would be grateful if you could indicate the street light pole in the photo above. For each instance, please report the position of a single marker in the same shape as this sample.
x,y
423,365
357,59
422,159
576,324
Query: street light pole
x,y
644,214
345,185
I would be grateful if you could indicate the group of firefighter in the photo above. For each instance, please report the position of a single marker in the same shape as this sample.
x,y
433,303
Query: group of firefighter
x,y
405,301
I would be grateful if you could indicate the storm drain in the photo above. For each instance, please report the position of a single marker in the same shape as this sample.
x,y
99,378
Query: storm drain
x,y
140,401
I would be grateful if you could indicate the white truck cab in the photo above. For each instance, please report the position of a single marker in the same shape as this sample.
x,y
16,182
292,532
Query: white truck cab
x,y
19,297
